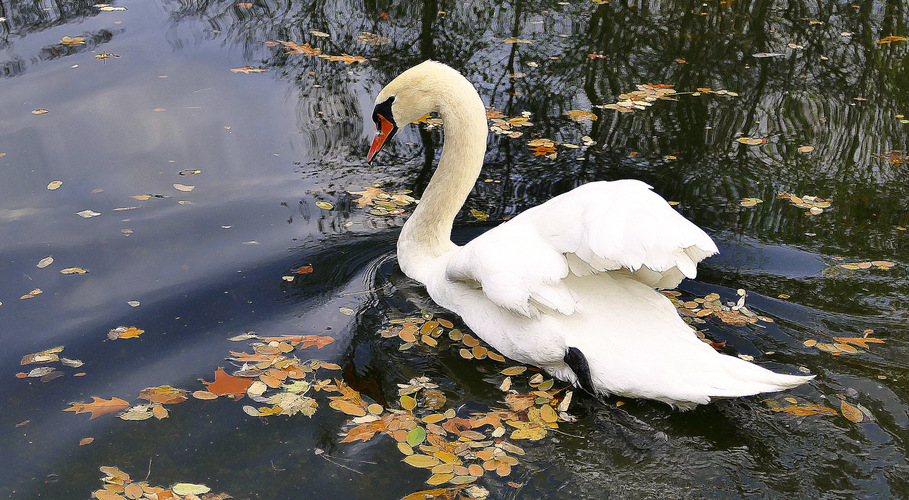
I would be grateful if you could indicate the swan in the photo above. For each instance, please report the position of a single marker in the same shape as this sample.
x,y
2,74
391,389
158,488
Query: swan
x,y
568,286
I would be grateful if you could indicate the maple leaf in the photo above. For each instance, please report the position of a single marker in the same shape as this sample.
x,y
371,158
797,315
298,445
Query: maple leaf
x,y
368,196
305,49
859,341
347,59
99,406
227,384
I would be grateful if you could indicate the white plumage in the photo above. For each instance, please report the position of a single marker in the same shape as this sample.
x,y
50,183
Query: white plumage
x,y
575,274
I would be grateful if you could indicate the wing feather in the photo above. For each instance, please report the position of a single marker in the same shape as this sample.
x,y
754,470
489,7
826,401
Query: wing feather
x,y
599,227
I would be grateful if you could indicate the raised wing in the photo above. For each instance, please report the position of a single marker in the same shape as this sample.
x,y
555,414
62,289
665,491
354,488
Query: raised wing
x,y
619,226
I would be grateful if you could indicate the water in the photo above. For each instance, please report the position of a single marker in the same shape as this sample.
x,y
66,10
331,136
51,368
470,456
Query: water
x,y
271,144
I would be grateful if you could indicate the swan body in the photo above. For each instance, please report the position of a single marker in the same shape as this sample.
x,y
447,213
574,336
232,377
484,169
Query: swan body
x,y
570,285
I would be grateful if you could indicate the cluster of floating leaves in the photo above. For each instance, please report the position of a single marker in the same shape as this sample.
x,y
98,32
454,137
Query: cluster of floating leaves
x,y
308,50
269,366
642,98
896,157
124,332
732,313
382,203
510,127
458,449
877,264
813,204
854,413
118,485
48,372
845,345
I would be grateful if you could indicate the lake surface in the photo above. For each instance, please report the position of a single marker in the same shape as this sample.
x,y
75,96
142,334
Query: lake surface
x,y
217,190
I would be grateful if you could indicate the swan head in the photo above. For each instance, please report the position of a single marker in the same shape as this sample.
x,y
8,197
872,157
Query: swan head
x,y
413,94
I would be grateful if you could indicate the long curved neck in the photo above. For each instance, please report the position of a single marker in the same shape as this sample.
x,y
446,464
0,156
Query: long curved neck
x,y
427,234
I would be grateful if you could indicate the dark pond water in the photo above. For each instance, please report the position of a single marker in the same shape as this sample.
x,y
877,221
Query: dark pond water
x,y
208,264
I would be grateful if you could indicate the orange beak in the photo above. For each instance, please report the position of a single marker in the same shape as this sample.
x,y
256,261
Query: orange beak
x,y
385,130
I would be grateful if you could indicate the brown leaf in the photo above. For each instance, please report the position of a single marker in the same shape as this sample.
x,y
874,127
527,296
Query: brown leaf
x,y
227,384
164,394
99,406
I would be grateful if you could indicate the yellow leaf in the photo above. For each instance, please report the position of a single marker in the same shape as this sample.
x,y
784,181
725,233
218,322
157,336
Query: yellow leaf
x,y
408,403
73,270
422,461
439,478
859,341
892,38
189,489
751,141
513,370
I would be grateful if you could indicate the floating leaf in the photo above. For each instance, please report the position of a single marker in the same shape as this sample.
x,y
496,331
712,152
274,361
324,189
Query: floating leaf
x,y
85,441
808,409
751,141
99,406
137,413
579,115
479,214
806,149
40,111
892,38
859,341
416,436
183,187
227,384
87,214
123,332
513,370
46,356
164,394
422,461
324,205
52,185
73,270
750,202
851,413
190,489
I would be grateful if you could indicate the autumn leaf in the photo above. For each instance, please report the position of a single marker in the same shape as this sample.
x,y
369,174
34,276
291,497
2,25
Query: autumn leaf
x,y
99,406
72,41
247,70
368,196
347,59
859,341
751,141
892,38
164,394
305,49
579,115
227,384
123,332
808,409
46,356
851,413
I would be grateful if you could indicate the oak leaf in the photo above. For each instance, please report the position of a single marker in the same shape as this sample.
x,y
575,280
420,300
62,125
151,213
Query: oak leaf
x,y
164,394
99,406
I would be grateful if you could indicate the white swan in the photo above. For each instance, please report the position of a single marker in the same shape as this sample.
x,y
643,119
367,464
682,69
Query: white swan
x,y
567,286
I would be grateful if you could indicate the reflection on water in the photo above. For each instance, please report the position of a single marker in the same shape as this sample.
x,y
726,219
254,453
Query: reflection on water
x,y
207,264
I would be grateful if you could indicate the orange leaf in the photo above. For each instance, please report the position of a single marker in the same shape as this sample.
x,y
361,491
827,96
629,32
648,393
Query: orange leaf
x,y
852,413
859,341
227,384
99,406
808,409
891,38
